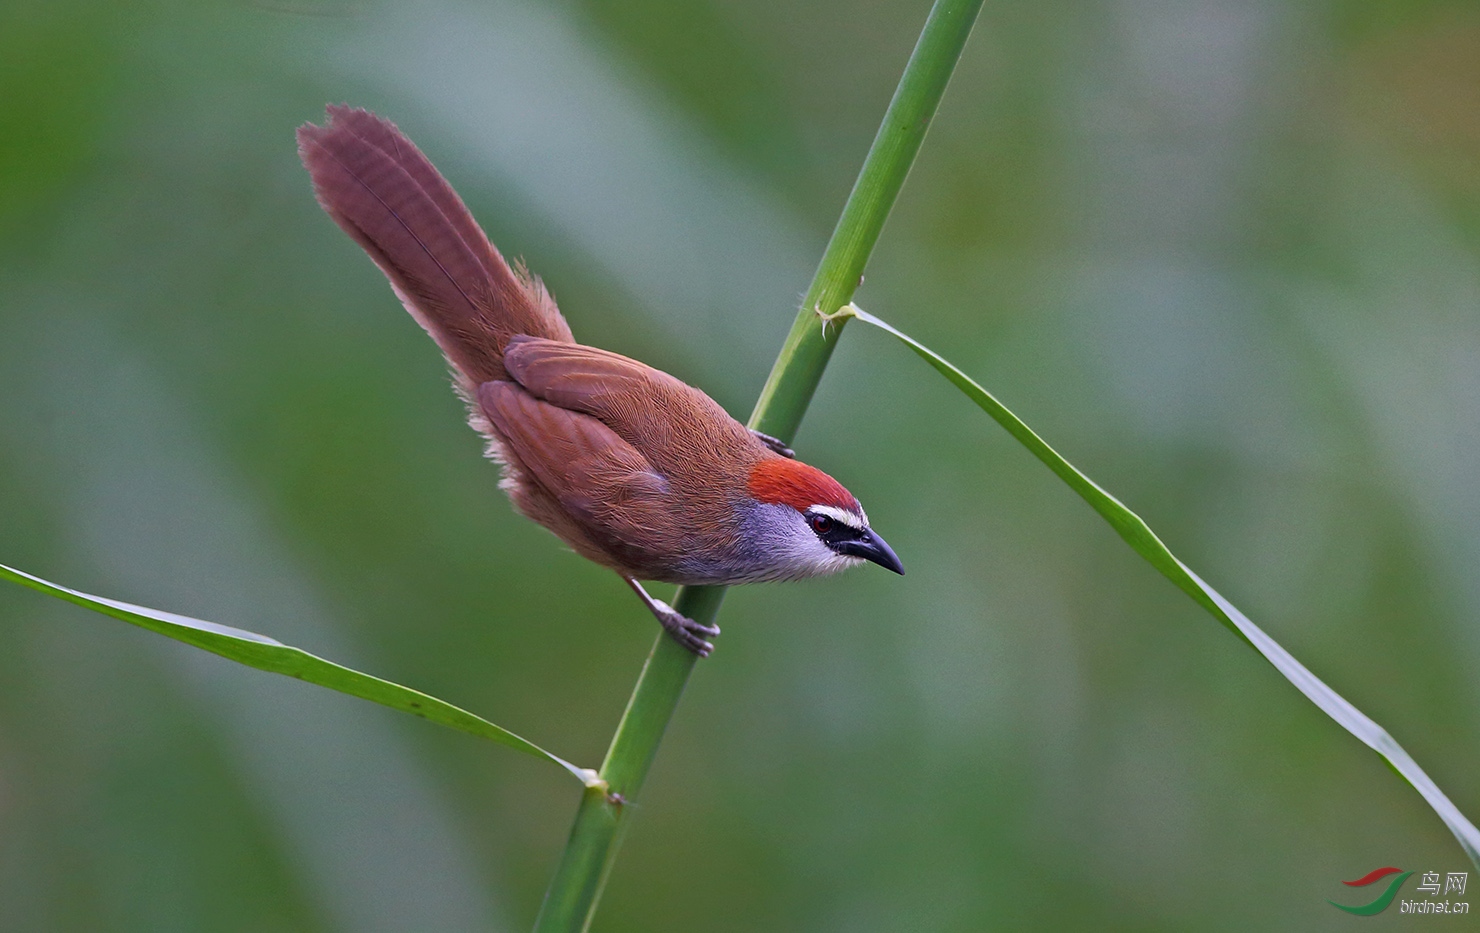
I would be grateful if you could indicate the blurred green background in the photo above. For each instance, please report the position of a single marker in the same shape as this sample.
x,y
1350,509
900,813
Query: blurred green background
x,y
1226,256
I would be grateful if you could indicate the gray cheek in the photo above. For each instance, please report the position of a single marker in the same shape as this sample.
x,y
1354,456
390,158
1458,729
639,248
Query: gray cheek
x,y
766,548
785,547
771,536
775,524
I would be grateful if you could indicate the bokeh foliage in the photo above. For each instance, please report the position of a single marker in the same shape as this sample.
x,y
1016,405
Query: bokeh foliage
x,y
1226,257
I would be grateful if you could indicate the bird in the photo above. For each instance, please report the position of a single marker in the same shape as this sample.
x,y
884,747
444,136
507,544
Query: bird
x,y
627,465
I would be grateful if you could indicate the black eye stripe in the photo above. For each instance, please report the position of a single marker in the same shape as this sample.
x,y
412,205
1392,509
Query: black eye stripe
x,y
836,534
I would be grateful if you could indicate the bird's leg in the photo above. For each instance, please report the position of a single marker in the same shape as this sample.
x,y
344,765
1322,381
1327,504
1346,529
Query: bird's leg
x,y
775,445
684,630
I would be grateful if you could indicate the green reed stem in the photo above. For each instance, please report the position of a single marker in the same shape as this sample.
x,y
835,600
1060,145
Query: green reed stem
x,y
574,892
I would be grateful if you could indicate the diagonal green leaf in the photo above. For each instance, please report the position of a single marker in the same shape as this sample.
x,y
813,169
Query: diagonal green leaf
x,y
1144,541
266,654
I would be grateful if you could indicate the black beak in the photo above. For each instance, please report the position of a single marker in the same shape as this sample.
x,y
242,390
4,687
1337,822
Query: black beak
x,y
870,546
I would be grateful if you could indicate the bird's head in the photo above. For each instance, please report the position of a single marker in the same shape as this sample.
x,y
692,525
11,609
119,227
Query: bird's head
x,y
805,524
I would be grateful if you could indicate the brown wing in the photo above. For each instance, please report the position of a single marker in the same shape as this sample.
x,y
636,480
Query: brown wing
x,y
385,194
678,428
603,482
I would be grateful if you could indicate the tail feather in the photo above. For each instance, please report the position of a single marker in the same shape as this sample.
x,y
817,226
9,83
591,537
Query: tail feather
x,y
389,198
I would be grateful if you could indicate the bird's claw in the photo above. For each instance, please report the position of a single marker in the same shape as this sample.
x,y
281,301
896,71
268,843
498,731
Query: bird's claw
x,y
687,632
775,444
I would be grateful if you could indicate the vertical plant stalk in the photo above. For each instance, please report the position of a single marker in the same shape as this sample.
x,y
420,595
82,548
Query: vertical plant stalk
x,y
570,903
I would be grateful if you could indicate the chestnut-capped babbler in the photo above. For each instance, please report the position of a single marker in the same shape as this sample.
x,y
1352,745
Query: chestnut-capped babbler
x,y
626,464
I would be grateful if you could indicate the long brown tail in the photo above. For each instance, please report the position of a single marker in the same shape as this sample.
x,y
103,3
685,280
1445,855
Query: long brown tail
x,y
386,195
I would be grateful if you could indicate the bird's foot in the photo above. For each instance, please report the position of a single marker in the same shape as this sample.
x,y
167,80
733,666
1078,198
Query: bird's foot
x,y
684,630
775,444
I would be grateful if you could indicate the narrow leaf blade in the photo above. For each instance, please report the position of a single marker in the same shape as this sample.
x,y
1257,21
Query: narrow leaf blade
x,y
267,654
1144,541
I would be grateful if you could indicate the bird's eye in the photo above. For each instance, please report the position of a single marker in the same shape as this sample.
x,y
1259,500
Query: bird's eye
x,y
821,524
